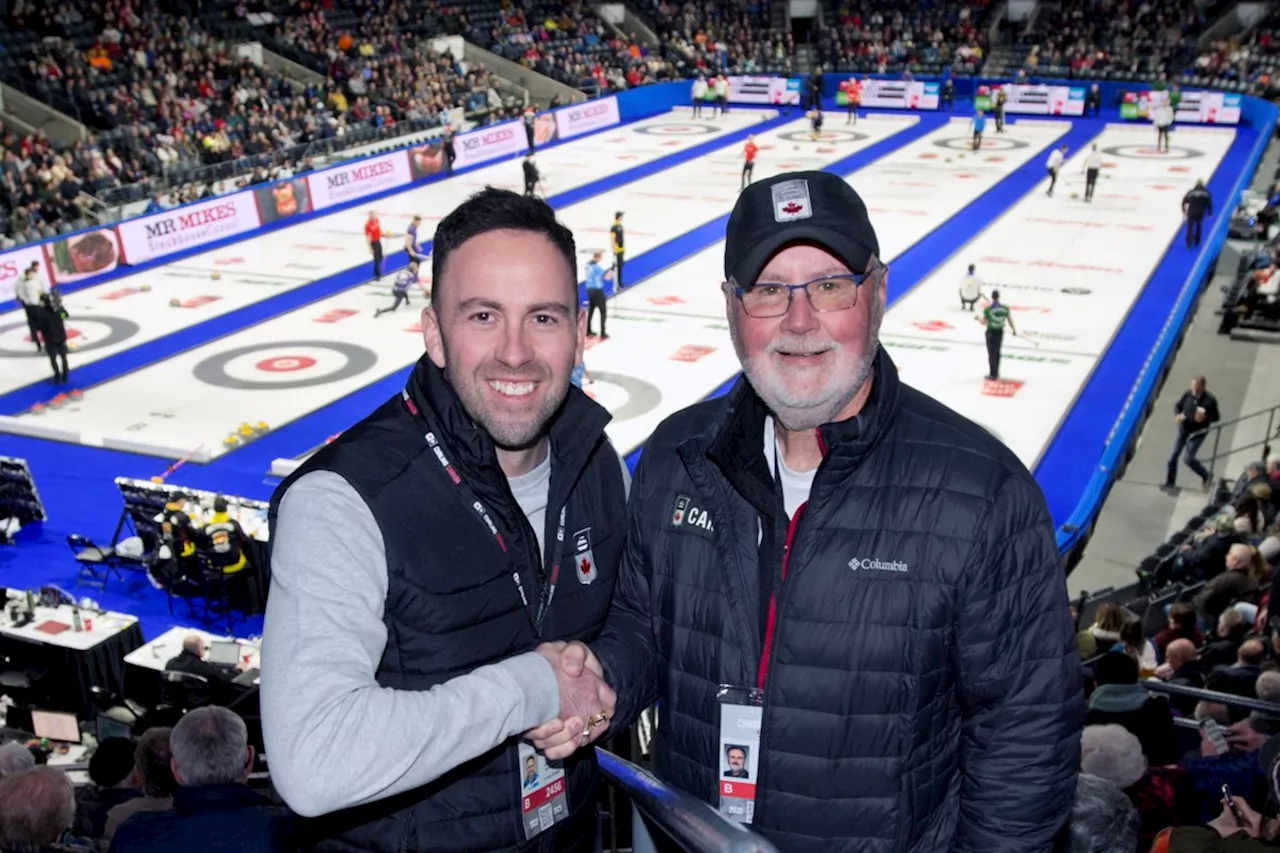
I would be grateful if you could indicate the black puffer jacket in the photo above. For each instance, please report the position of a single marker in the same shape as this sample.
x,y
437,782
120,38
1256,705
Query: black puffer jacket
x,y
923,691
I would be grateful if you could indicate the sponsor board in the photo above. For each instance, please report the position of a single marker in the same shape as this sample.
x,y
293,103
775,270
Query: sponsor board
x,y
577,119
488,143
900,94
82,255
1193,106
428,159
345,183
186,227
757,89
283,200
14,263
1034,100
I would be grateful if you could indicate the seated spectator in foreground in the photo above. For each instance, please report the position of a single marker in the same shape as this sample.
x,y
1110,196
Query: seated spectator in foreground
x,y
1240,581
1161,795
1237,768
213,808
37,811
1135,644
1255,833
1239,678
1102,818
1222,651
152,759
1184,667
1119,698
1183,624
15,758
114,782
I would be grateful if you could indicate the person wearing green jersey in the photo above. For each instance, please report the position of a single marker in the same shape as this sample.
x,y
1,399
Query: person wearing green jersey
x,y
995,317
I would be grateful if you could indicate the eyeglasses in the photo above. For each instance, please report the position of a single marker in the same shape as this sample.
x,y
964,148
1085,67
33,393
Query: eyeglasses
x,y
826,294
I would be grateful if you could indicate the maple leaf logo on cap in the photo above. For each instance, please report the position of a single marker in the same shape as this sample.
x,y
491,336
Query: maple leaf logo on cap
x,y
791,201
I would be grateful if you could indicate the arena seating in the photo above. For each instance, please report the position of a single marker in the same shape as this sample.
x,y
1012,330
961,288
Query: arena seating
x,y
901,36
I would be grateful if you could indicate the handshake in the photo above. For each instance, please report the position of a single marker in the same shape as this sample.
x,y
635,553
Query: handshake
x,y
586,702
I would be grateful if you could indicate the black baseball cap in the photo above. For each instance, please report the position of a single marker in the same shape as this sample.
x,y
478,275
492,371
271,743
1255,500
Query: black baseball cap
x,y
794,207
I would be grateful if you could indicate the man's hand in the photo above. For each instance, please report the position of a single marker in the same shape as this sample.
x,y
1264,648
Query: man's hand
x,y
583,696
1226,825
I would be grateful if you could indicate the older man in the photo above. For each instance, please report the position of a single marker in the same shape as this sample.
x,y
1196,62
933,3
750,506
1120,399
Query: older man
x,y
39,807
841,575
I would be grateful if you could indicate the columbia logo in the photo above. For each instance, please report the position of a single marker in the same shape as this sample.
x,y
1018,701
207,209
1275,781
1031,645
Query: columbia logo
x,y
877,565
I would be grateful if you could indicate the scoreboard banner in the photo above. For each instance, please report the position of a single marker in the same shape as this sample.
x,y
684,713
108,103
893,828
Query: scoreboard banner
x,y
1190,107
1034,100
754,89
900,94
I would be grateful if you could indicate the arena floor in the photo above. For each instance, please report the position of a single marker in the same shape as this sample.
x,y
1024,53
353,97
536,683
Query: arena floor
x,y
286,333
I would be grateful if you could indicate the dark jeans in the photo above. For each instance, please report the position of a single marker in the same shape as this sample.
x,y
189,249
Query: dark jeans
x,y
376,248
1191,445
1090,181
33,324
995,338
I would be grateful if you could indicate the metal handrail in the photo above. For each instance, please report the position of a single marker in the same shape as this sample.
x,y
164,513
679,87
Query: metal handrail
x,y
1272,431
685,819
1202,695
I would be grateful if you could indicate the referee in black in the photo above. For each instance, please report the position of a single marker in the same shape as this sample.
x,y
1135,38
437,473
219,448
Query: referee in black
x,y
531,176
619,241
446,142
1196,204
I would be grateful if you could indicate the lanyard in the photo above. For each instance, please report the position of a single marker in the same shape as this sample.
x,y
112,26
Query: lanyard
x,y
482,512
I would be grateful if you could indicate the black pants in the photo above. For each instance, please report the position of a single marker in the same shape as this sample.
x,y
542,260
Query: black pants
x,y
1162,139
1090,181
999,121
995,337
528,186
401,296
697,107
596,302
449,155
617,269
747,169
852,116
57,351
1193,230
528,135
977,140
33,324
1053,179
376,246
967,304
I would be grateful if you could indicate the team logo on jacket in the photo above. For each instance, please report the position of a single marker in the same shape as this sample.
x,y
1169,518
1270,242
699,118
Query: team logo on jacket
x,y
686,515
584,562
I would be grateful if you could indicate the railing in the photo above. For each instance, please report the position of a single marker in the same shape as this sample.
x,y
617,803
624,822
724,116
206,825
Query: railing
x,y
1270,416
684,819
1269,708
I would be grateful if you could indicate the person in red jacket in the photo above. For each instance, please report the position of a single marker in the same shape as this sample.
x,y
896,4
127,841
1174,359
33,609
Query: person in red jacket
x,y
748,161
373,233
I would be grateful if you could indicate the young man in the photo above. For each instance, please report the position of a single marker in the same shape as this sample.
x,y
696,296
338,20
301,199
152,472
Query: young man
x,y
995,316
979,125
1053,165
411,245
748,161
420,559
596,298
840,575
699,95
970,290
618,241
406,279
1193,414
373,236
1092,167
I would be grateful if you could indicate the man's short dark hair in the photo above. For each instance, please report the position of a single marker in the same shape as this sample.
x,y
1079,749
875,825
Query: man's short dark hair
x,y
151,760
494,209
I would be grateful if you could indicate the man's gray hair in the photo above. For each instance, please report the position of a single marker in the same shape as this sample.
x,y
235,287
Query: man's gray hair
x,y
39,806
1103,820
208,746
14,758
1113,753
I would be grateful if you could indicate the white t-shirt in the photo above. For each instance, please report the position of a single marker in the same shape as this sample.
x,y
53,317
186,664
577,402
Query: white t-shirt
x,y
699,89
1055,159
796,485
971,287
1093,161
722,86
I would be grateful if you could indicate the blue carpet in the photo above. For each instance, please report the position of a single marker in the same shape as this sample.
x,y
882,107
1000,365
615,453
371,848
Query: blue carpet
x,y
914,265
1070,460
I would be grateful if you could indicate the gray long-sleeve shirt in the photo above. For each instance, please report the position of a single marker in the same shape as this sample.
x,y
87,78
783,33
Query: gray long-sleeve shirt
x,y
323,640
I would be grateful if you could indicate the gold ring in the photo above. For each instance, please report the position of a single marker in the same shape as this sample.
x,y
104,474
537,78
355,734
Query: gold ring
x,y
598,720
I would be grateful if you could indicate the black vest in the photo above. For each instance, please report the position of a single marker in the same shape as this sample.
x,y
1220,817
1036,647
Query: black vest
x,y
451,603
